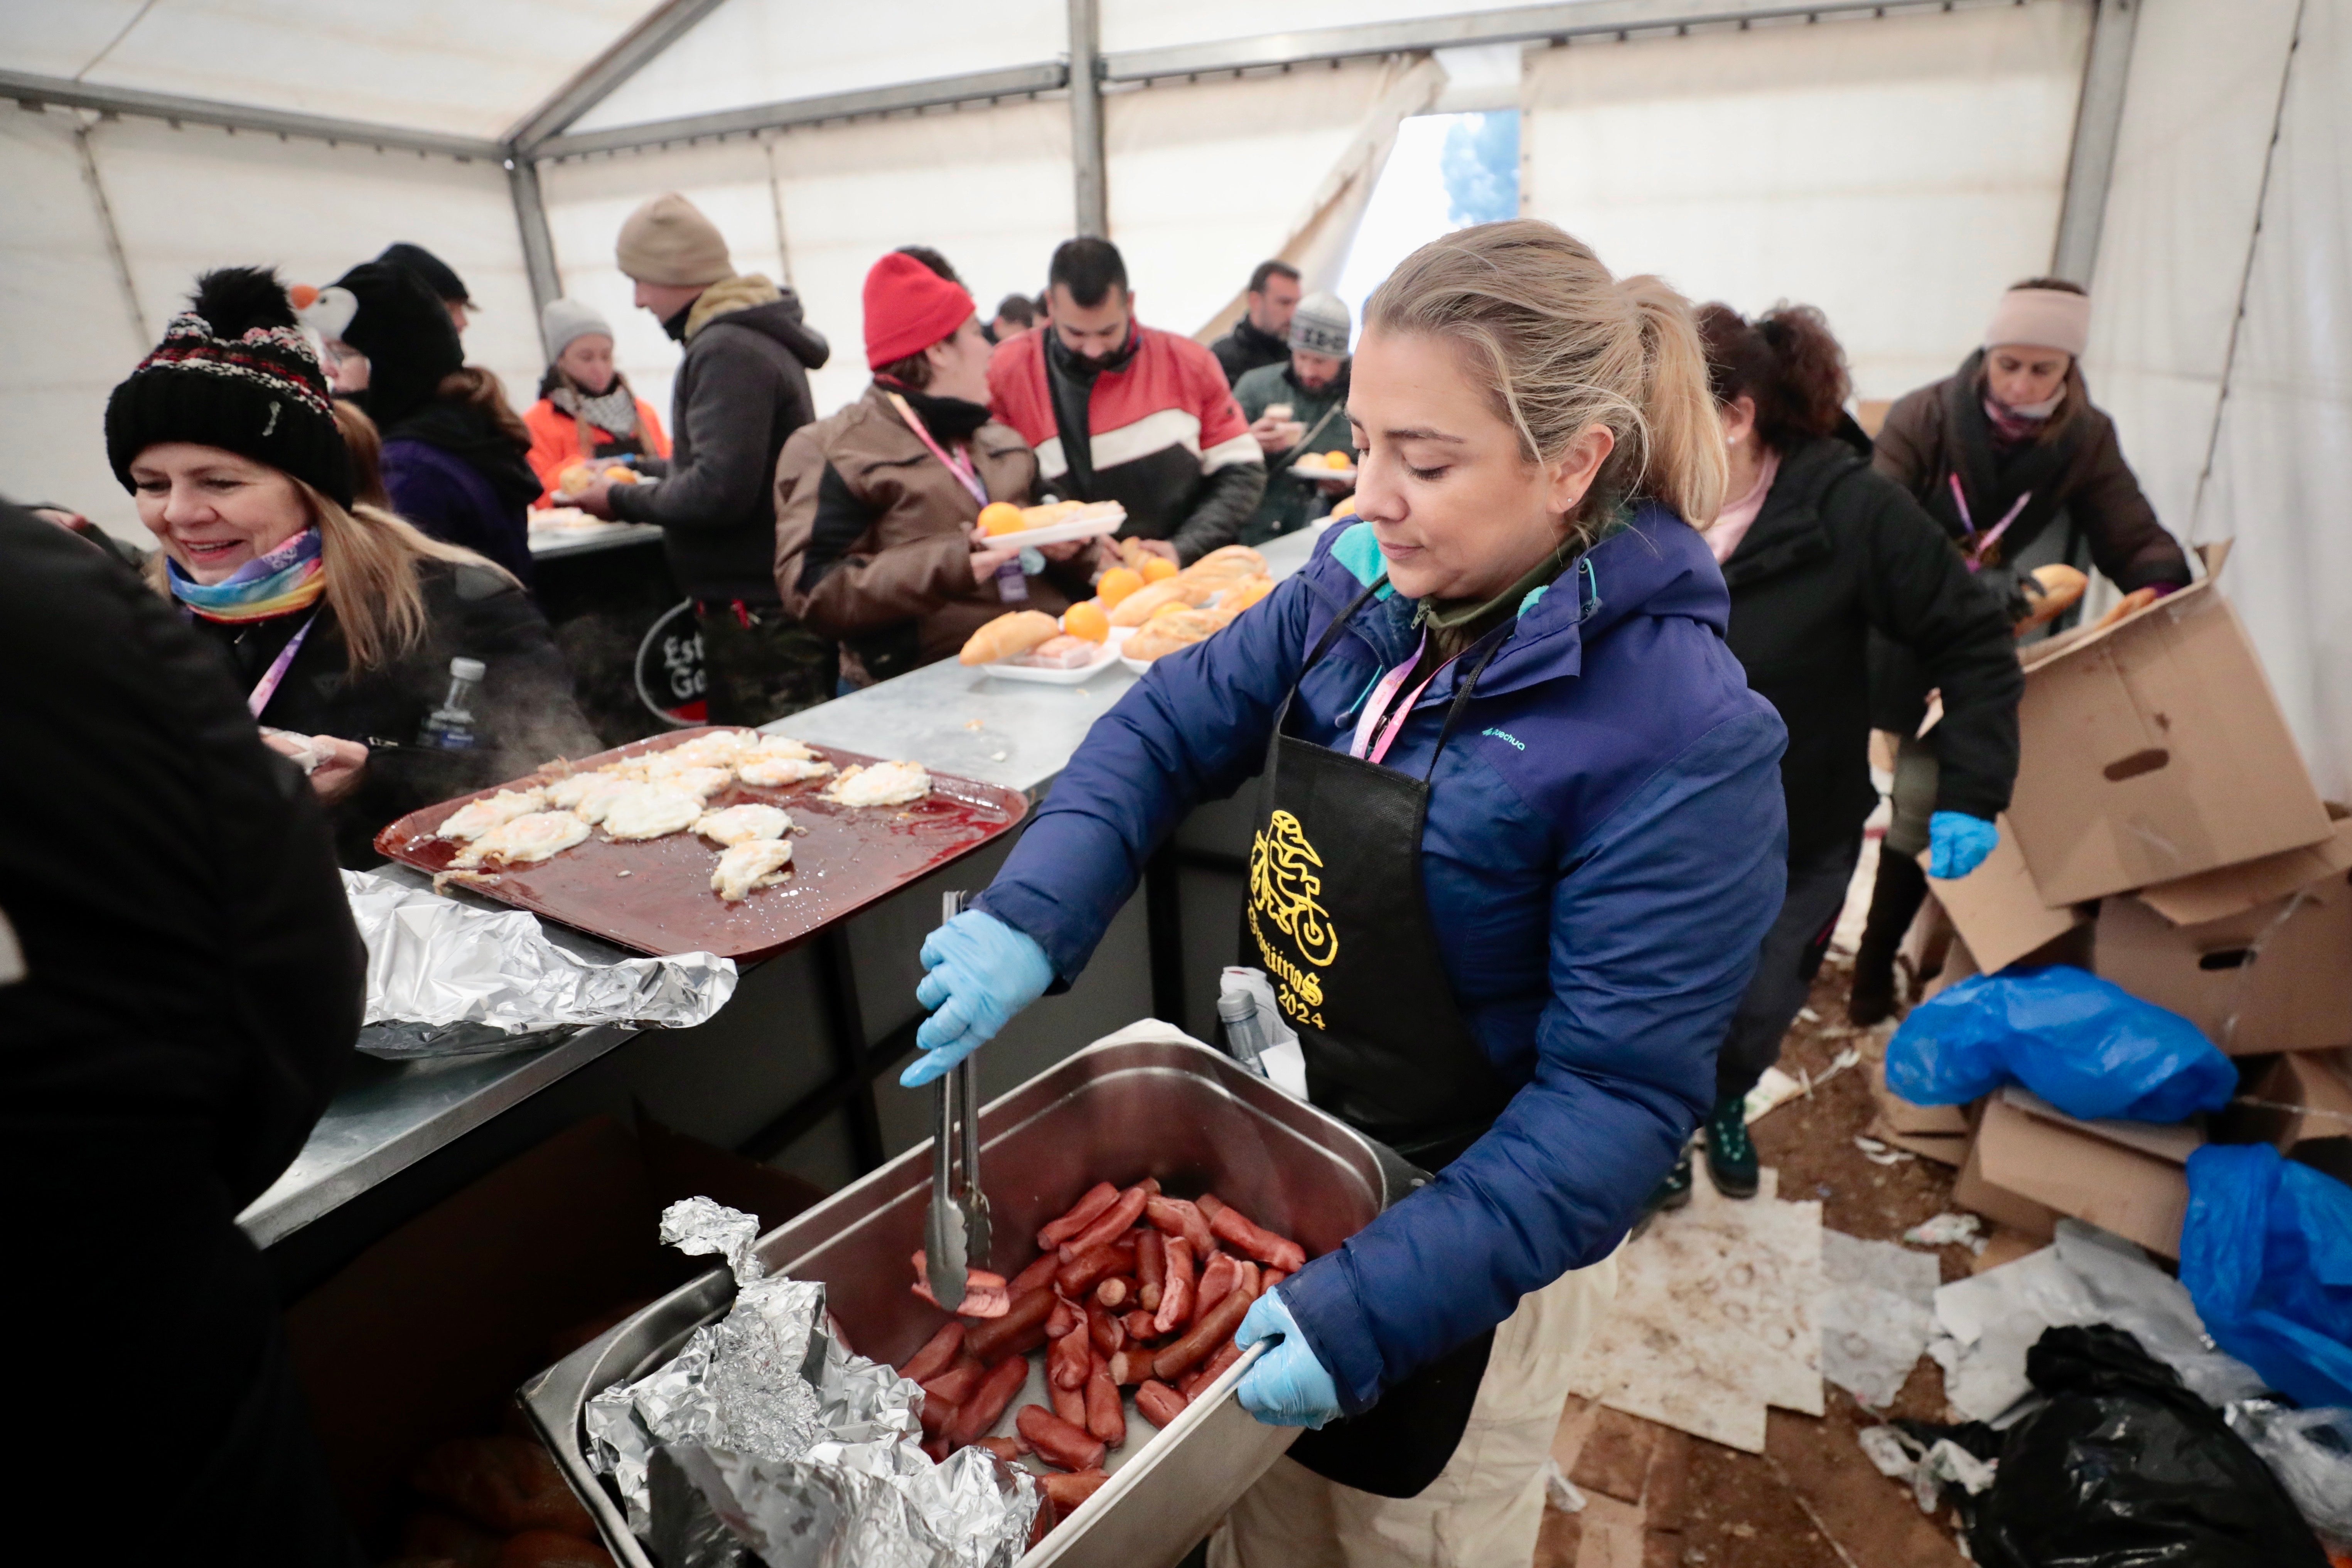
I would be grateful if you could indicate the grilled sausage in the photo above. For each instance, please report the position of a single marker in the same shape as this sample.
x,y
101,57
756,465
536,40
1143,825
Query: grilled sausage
x,y
1083,1213
1158,1403
1057,1442
1236,1230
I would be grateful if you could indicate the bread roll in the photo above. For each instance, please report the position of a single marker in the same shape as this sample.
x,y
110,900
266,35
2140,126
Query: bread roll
x,y
1240,596
1168,633
1232,561
1136,607
1015,632
2050,591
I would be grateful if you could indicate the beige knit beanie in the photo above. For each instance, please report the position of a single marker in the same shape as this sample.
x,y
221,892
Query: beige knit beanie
x,y
668,241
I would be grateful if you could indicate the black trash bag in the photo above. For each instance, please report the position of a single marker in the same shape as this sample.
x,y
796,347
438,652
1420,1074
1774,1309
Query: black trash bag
x,y
2125,1469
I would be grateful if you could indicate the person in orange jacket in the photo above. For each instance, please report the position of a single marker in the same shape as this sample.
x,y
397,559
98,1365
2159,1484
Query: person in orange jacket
x,y
585,410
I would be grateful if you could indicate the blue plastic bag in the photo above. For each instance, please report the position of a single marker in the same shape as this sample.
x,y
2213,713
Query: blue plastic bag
x,y
2084,1045
2267,1254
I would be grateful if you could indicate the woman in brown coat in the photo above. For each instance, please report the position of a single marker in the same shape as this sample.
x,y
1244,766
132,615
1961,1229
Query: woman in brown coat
x,y
2009,453
878,505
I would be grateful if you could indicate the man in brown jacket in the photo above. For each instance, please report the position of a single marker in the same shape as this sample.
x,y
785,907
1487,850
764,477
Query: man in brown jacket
x,y
876,505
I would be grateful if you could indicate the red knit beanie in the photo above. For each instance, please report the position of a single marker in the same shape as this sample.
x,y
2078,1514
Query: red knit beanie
x,y
909,307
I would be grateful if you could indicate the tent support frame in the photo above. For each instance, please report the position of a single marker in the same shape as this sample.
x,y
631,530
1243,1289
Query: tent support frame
x,y
1088,171
2098,127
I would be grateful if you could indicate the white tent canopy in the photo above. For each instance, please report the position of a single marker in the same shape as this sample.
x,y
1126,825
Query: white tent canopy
x,y
1894,163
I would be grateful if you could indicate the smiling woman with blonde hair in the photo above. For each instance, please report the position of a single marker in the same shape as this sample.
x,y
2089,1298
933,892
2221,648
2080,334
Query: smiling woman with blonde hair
x,y
339,619
1519,830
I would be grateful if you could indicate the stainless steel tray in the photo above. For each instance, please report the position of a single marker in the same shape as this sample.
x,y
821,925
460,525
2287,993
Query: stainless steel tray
x,y
1117,1112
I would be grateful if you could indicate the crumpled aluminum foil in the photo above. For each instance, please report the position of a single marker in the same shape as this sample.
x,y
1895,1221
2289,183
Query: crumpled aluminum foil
x,y
446,979
806,1455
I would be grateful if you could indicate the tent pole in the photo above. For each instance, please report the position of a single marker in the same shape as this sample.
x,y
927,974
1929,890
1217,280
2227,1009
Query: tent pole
x,y
1086,118
138,328
2098,124
538,244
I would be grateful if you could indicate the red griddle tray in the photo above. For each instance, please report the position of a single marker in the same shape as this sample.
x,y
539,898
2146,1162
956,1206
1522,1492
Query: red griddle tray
x,y
846,860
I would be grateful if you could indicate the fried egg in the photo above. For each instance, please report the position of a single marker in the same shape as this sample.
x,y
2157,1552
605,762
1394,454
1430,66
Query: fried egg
x,y
650,811
525,840
757,863
742,823
884,783
472,820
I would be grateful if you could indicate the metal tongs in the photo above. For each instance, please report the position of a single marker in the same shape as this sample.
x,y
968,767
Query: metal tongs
x,y
955,1227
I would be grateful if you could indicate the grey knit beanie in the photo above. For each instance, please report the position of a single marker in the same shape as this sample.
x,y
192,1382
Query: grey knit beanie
x,y
1321,324
563,322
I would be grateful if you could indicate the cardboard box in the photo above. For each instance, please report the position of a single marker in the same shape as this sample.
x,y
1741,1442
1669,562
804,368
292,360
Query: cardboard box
x,y
2299,1097
1997,910
2122,1177
2154,749
2014,1214
1937,1133
2259,956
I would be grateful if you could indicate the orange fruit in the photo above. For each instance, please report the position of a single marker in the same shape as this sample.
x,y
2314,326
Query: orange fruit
x,y
1339,460
1117,584
1158,569
1087,621
1347,507
1000,516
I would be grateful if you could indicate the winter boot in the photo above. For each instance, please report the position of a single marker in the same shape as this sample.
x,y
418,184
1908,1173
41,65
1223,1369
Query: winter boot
x,y
1894,900
1730,1153
1674,1193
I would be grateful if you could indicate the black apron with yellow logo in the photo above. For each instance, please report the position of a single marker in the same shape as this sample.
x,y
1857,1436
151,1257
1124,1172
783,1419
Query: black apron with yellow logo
x,y
1337,917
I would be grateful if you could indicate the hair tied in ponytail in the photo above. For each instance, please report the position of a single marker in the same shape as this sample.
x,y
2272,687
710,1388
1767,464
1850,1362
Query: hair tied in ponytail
x,y
1565,346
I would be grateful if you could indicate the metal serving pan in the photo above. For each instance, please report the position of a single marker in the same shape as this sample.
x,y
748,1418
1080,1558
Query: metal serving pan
x,y
1120,1111
655,896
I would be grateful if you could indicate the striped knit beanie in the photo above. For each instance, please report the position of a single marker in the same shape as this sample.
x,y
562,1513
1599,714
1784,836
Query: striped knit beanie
x,y
233,371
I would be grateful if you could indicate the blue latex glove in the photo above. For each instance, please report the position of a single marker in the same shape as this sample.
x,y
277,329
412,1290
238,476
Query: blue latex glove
x,y
1286,1386
980,972
1958,843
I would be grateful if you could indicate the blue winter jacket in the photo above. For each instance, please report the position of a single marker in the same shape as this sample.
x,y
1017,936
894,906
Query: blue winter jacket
x,y
1604,848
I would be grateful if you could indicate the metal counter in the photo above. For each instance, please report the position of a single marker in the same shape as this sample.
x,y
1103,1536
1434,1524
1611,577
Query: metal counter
x,y
389,1116
958,719
549,543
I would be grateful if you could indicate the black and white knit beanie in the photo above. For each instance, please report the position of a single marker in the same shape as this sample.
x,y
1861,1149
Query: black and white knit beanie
x,y
233,371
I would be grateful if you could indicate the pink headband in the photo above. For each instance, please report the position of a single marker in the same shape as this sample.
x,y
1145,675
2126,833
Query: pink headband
x,y
2042,318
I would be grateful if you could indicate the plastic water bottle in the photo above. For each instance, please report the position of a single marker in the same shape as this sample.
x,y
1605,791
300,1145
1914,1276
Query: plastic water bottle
x,y
450,727
1246,1035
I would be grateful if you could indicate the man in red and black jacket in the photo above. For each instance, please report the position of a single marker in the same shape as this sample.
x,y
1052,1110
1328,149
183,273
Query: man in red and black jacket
x,y
1118,410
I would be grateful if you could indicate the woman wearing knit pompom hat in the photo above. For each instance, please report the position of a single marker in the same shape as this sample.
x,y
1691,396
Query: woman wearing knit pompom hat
x,y
586,415
338,618
2012,456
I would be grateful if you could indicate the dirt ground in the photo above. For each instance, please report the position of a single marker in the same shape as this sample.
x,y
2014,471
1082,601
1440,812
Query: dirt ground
x,y
1811,1499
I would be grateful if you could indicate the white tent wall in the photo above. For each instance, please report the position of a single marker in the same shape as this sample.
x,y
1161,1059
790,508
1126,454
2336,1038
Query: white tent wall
x,y
1898,171
2198,109
185,200
2282,457
989,187
767,51
1208,179
66,335
1155,24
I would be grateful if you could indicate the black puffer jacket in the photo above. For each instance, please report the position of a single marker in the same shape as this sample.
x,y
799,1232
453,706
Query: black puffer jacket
x,y
524,711
741,389
189,991
1840,550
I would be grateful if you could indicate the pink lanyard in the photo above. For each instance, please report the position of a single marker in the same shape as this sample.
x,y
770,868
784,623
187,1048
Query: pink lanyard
x,y
1371,738
266,687
960,465
1960,499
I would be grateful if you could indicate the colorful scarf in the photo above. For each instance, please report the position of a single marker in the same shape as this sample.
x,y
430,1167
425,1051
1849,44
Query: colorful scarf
x,y
289,578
